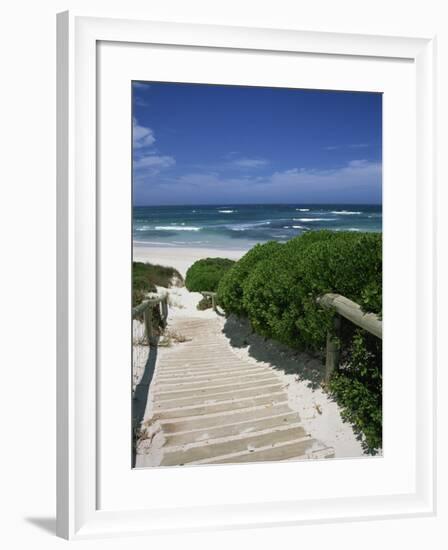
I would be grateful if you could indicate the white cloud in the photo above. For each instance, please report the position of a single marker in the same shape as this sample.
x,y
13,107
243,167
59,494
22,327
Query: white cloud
x,y
234,159
140,102
142,136
358,145
349,146
360,164
356,175
249,163
154,161
142,85
147,161
359,179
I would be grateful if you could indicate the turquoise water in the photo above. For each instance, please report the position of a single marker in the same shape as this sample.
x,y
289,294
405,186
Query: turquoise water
x,y
233,226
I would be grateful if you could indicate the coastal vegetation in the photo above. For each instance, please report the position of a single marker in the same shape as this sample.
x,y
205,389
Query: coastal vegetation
x,y
147,277
277,285
205,275
204,303
231,287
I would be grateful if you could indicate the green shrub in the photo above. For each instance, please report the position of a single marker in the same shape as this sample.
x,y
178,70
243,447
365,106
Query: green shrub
x,y
204,303
274,295
350,265
280,294
230,289
357,388
204,275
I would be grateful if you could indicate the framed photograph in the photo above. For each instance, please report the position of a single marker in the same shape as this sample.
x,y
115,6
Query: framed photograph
x,y
245,255
234,253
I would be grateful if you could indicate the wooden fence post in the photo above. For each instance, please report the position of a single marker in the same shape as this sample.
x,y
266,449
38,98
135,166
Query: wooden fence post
x,y
165,310
333,348
343,307
148,325
146,309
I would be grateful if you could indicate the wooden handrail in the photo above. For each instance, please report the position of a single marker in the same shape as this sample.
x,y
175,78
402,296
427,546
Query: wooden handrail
x,y
353,312
146,309
140,309
349,310
211,295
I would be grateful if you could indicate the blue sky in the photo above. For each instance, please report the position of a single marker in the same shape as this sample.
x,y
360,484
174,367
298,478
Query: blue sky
x,y
204,144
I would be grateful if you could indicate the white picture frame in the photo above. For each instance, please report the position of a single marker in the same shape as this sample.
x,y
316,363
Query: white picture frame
x,y
79,514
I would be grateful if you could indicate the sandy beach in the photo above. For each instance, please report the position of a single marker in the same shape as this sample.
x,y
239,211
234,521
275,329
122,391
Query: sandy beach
x,y
297,373
179,257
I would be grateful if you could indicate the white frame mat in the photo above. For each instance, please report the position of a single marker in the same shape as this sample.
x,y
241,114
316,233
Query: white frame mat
x,y
79,514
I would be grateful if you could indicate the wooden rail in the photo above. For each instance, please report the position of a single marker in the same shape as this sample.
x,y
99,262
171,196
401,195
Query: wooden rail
x,y
146,308
353,312
211,295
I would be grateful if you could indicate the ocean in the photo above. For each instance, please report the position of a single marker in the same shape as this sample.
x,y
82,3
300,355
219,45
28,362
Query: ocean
x,y
237,226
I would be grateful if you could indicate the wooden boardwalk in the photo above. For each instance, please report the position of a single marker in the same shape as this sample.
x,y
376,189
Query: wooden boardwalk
x,y
207,406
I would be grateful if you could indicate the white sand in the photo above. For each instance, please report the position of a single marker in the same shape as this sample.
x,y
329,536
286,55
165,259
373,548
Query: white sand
x,y
181,258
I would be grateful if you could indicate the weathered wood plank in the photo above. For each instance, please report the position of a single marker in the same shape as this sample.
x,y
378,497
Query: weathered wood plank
x,y
140,309
164,304
146,309
353,312
333,349
148,325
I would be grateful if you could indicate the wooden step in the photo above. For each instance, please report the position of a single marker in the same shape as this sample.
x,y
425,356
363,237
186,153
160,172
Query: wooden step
x,y
221,406
296,450
225,430
198,397
247,443
188,381
202,422
164,394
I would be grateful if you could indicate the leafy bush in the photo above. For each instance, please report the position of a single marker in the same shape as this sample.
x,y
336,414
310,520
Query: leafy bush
x,y
280,294
204,303
230,289
273,294
146,276
278,291
205,275
357,387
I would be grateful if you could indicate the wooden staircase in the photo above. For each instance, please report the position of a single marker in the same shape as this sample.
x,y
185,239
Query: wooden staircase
x,y
208,406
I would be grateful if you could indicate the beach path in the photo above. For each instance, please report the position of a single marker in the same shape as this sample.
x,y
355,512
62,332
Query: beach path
x,y
207,405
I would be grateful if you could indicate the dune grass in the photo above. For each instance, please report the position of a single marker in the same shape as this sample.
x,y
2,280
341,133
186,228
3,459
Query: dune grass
x,y
146,277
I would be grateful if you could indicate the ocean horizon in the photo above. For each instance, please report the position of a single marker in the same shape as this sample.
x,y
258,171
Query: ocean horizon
x,y
241,226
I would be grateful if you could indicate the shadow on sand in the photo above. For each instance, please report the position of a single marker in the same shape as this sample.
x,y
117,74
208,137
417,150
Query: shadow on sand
x,y
140,397
307,368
